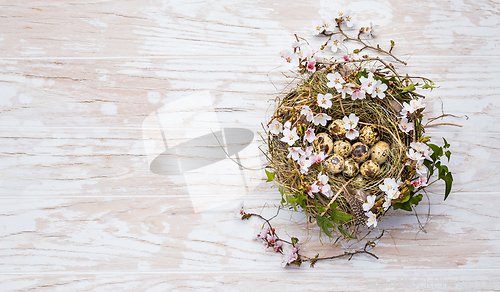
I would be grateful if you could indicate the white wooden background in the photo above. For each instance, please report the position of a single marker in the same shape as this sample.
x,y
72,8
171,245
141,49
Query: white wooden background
x,y
81,211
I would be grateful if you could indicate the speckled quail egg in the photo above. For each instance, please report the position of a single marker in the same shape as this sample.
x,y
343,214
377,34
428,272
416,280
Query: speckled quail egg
x,y
369,169
324,143
334,163
360,152
369,135
342,148
380,152
351,167
337,129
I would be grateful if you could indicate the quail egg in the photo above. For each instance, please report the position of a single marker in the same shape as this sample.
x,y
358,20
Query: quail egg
x,y
360,152
334,163
337,129
342,148
369,169
380,152
324,143
369,135
351,167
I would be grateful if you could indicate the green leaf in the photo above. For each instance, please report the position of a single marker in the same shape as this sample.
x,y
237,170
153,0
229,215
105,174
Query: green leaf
x,y
448,181
270,176
404,206
428,164
408,88
340,216
344,233
448,154
295,240
415,199
446,145
324,224
437,152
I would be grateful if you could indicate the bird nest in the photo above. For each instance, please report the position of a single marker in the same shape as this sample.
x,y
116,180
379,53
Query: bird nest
x,y
347,144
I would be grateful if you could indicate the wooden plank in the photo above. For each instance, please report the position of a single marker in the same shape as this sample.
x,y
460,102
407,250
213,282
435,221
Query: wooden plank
x,y
104,29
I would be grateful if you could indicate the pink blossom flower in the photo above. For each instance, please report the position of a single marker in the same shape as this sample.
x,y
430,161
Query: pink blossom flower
x,y
421,181
311,66
290,255
317,158
313,189
358,93
308,152
278,246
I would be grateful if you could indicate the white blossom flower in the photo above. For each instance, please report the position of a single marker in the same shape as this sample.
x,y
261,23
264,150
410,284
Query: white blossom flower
x,y
414,105
352,134
290,136
323,26
294,153
370,31
372,219
379,89
308,52
304,164
370,202
358,93
421,168
346,17
346,89
298,43
350,122
405,125
327,191
387,203
325,100
390,187
289,59
335,43
322,178
287,125
422,148
307,112
335,80
414,155
367,84
275,127
321,119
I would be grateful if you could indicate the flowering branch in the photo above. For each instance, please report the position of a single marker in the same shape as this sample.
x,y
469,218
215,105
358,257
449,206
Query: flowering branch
x,y
291,256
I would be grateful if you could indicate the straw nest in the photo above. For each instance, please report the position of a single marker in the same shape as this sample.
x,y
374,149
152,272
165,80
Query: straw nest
x,y
349,193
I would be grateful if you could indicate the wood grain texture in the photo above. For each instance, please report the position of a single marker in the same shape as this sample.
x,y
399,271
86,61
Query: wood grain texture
x,y
81,210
